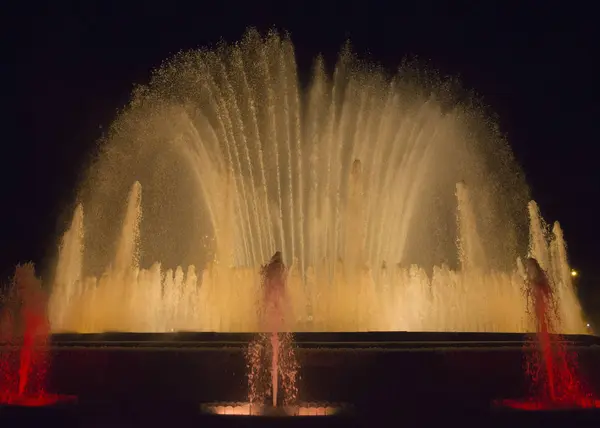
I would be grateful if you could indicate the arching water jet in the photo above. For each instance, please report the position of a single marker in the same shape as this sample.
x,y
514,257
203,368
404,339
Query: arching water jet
x,y
353,174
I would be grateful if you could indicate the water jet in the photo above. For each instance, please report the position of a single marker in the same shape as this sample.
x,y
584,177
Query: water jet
x,y
397,214
24,362
552,368
352,179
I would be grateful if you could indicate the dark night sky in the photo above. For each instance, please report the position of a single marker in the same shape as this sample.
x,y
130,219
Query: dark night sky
x,y
67,68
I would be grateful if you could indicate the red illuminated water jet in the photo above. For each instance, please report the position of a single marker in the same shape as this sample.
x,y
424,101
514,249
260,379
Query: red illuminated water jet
x,y
550,366
24,354
271,358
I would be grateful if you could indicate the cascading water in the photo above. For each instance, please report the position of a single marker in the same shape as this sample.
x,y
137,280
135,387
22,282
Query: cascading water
x,y
352,179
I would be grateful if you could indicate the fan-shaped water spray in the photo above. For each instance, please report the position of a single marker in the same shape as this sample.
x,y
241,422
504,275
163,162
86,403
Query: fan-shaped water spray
x,y
353,179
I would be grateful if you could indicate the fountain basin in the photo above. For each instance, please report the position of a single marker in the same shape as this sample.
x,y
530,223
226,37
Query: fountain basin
x,y
381,375
367,370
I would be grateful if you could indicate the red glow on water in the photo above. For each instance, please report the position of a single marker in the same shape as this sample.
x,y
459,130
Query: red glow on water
x,y
24,358
41,400
533,405
552,370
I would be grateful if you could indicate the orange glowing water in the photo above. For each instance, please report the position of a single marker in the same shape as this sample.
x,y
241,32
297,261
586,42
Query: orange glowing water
x,y
249,409
353,179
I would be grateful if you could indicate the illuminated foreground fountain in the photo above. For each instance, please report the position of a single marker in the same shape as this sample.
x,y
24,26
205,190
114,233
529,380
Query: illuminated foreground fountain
x,y
353,179
273,351
552,368
271,359
24,359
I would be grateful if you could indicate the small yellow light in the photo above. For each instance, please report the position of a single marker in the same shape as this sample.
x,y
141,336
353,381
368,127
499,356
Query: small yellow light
x,y
574,272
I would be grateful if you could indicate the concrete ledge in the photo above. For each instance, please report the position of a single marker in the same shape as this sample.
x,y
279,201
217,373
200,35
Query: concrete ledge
x,y
402,340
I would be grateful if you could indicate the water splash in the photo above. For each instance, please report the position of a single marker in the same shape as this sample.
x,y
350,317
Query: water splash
x,y
551,367
24,361
263,380
273,352
352,178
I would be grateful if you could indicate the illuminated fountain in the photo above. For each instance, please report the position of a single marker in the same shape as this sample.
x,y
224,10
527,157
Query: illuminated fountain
x,y
276,345
271,358
353,179
24,361
552,368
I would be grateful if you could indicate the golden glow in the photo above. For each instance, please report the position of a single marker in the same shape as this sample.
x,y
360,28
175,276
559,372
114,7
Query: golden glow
x,y
574,273
353,180
246,409
223,298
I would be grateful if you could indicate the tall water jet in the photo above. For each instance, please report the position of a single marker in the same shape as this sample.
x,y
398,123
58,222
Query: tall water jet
x,y
127,249
542,296
68,275
353,179
551,367
471,253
